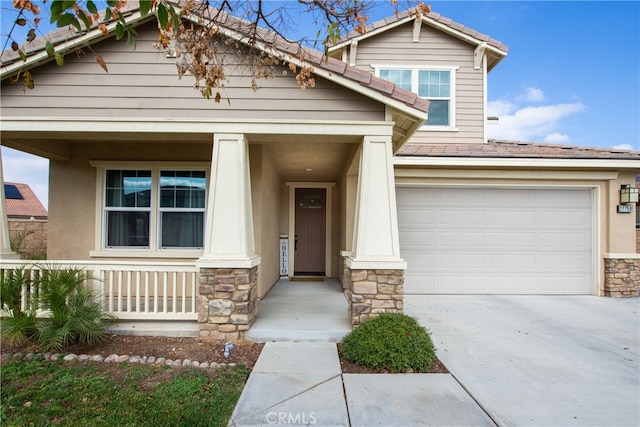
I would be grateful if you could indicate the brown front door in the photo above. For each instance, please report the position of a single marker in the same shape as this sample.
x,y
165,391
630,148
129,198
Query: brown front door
x,y
309,258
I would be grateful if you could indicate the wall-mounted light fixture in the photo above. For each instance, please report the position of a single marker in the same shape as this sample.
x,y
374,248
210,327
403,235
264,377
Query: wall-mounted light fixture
x,y
628,194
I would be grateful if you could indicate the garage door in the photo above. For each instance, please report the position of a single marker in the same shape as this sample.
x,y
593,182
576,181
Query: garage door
x,y
496,241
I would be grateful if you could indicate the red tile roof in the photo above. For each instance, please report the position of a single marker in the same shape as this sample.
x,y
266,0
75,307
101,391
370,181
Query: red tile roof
x,y
515,149
27,207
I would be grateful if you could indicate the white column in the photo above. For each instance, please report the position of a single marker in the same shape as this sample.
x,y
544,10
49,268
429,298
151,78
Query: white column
x,y
375,237
229,240
5,241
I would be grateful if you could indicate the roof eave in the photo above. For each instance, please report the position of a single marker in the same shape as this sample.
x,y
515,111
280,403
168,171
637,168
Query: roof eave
x,y
517,162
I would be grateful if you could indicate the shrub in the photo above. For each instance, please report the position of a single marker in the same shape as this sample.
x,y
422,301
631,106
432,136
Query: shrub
x,y
15,324
70,313
75,314
392,342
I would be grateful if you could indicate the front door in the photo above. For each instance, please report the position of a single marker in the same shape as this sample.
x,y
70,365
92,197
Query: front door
x,y
310,229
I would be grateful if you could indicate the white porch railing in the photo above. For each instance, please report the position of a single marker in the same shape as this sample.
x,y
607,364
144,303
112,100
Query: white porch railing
x,y
130,290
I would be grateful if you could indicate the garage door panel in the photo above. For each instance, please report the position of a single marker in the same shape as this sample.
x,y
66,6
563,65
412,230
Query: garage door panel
x,y
461,261
567,240
512,262
511,218
419,218
472,283
494,240
417,239
461,218
458,239
565,219
518,240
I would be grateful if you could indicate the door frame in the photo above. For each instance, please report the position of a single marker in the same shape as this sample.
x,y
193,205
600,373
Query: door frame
x,y
328,186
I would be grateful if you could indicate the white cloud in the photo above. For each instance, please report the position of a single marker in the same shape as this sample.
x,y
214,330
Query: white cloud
x,y
27,169
532,123
556,138
531,94
623,147
501,107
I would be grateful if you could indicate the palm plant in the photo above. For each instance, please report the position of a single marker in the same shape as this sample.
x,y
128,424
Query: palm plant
x,y
74,313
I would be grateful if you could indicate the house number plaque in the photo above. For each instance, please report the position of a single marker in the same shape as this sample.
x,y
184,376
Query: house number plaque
x,y
625,208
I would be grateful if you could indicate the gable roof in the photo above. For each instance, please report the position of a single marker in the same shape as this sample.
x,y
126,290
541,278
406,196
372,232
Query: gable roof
x,y
24,204
516,149
329,68
497,49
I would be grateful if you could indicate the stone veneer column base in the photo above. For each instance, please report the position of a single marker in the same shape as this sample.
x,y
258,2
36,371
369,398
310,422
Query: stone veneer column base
x,y
621,277
372,292
227,302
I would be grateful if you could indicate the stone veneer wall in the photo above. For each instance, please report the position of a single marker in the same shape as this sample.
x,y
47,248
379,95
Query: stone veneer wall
x,y
621,277
227,302
372,292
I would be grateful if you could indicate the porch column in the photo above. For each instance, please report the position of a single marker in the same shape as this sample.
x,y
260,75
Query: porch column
x,y
227,304
5,241
375,271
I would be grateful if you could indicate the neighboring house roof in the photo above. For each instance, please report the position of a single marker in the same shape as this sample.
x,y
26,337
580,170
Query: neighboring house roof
x,y
498,49
22,202
515,149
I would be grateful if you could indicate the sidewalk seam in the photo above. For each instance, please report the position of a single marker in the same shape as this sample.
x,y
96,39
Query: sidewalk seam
x,y
480,405
346,401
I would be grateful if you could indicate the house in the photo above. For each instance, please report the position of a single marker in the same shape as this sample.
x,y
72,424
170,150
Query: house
x,y
184,209
26,220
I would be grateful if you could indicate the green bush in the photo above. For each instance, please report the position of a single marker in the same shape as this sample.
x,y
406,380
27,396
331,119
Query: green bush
x,y
392,342
75,314
15,324
70,311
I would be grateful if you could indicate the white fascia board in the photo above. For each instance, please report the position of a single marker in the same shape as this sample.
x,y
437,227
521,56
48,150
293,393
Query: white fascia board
x,y
621,256
516,162
167,124
89,38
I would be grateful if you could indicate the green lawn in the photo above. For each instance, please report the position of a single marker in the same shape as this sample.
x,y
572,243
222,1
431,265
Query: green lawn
x,y
39,393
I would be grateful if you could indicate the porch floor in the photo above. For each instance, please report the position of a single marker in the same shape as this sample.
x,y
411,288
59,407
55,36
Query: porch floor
x,y
302,311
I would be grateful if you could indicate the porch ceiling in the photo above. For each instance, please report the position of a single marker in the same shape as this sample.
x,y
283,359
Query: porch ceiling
x,y
310,160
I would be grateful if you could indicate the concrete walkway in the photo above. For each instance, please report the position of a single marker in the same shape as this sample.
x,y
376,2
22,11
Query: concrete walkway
x,y
302,311
301,384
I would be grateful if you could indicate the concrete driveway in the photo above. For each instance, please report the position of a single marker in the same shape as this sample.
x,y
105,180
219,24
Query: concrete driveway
x,y
540,360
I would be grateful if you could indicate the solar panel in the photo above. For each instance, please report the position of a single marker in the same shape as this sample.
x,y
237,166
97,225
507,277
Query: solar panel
x,y
12,192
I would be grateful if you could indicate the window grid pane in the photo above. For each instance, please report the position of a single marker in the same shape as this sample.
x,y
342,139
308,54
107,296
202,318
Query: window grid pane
x,y
128,188
182,189
401,78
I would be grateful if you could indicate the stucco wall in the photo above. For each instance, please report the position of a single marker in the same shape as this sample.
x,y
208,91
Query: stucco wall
x,y
30,237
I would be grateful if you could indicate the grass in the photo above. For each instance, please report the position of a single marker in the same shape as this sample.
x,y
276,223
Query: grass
x,y
42,392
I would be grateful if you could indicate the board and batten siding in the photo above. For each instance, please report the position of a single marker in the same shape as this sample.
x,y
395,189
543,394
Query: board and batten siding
x,y
435,48
143,82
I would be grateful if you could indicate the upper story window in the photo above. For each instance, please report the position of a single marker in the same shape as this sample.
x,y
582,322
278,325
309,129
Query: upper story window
x,y
154,208
435,84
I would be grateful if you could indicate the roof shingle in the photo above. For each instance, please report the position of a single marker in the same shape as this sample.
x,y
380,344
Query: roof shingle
x,y
515,149
27,207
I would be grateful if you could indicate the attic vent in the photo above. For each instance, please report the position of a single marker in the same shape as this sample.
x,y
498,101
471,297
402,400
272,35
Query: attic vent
x,y
12,192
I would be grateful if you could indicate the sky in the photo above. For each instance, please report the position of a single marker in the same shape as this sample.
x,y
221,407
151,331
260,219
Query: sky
x,y
571,77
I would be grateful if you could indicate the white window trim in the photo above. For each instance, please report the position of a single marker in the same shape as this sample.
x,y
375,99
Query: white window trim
x,y
414,87
154,250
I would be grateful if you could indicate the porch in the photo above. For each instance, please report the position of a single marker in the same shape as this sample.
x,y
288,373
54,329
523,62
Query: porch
x,y
151,298
302,311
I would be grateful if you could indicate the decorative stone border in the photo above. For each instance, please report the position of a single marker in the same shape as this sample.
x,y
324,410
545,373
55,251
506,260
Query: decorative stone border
x,y
114,358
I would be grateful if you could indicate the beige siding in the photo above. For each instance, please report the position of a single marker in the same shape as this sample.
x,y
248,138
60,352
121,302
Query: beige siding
x,y
144,83
435,48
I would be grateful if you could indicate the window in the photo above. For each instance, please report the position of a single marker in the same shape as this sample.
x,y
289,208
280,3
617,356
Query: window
x,y
154,208
436,85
